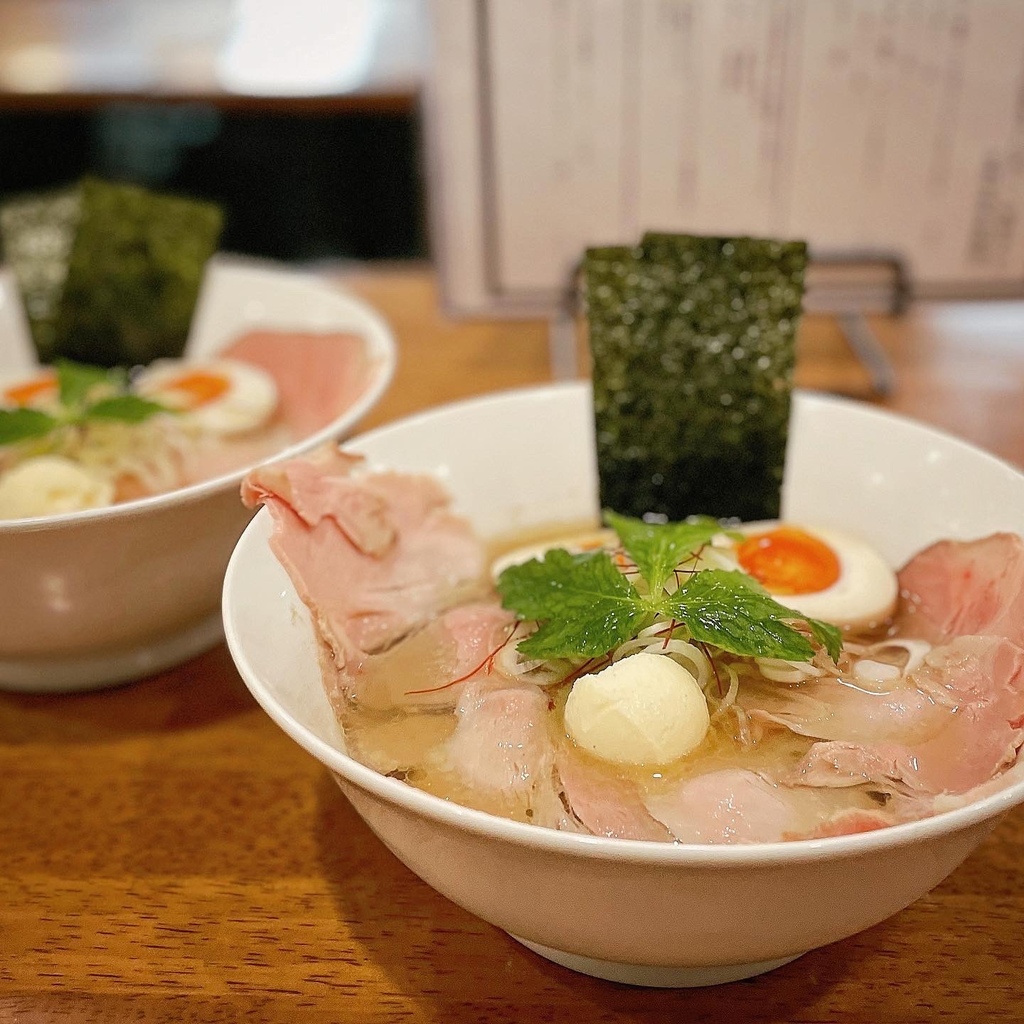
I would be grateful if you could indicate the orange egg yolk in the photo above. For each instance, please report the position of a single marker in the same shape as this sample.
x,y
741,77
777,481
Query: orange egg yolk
x,y
198,388
29,390
787,560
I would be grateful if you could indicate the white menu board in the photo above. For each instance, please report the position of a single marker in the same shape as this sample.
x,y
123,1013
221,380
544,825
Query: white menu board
x,y
858,125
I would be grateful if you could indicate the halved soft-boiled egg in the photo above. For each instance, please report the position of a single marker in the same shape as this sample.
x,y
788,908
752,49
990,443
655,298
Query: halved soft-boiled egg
x,y
224,396
32,390
821,572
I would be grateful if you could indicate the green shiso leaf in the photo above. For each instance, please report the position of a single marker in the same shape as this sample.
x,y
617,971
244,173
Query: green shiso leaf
x,y
658,548
830,637
732,611
584,605
23,424
75,381
693,348
126,408
85,393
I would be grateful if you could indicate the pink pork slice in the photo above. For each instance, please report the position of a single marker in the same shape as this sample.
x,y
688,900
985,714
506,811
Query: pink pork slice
x,y
981,682
846,823
959,587
431,666
830,709
501,746
736,805
318,375
604,803
374,556
731,805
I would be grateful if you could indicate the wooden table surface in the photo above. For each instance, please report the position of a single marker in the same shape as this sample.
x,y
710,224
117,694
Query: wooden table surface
x,y
168,854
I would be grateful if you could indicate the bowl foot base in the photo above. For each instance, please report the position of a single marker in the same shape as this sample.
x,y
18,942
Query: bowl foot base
x,y
94,672
655,977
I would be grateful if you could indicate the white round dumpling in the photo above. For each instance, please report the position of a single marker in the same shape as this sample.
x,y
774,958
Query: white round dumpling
x,y
643,710
50,485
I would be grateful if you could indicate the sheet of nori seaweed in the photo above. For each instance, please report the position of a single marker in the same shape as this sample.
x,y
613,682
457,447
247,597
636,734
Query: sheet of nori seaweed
x,y
133,275
36,234
692,343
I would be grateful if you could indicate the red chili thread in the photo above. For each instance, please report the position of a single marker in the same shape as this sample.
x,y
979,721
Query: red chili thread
x,y
488,662
586,667
714,668
668,633
679,571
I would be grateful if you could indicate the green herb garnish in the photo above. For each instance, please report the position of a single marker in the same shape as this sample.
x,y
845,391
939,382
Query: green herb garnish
x,y
583,604
85,394
22,424
76,382
732,611
657,549
126,408
585,607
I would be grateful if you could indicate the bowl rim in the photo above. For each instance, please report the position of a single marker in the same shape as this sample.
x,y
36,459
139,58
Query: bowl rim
x,y
382,353
635,851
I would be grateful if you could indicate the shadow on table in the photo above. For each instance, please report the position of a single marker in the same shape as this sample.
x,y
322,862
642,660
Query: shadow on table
x,y
205,690
437,954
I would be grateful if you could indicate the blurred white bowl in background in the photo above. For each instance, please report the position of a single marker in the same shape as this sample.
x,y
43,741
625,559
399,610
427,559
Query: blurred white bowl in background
x,y
102,596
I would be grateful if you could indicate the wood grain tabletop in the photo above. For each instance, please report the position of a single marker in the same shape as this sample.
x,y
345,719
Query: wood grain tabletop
x,y
168,854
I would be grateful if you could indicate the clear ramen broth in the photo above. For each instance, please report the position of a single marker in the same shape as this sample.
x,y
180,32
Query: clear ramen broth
x,y
410,743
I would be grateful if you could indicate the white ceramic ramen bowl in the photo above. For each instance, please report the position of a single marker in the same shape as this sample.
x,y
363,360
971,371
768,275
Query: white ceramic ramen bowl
x,y
638,912
99,597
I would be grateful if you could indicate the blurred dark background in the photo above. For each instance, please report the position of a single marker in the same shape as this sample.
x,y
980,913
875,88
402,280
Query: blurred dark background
x,y
293,185
324,165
